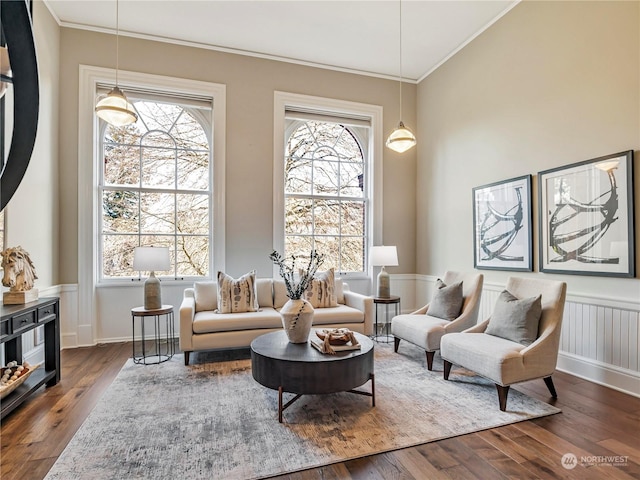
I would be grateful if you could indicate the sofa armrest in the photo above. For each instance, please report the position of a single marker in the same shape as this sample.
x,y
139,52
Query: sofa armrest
x,y
187,312
364,304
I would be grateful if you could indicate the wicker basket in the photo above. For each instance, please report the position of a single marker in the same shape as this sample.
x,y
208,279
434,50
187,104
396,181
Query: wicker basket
x,y
7,389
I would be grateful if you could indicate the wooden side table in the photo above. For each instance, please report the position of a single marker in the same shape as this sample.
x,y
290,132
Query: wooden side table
x,y
385,336
162,337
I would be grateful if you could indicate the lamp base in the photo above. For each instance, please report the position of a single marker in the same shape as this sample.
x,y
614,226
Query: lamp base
x,y
384,290
152,293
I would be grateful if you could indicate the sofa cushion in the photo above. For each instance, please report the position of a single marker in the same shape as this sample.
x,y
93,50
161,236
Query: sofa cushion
x,y
237,295
339,314
264,291
321,292
339,284
515,319
279,293
211,322
447,301
206,296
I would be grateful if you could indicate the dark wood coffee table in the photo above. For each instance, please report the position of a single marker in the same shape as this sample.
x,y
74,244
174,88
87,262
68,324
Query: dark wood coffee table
x,y
300,369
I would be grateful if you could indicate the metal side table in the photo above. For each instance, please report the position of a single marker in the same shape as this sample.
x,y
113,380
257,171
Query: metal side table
x,y
162,328
384,336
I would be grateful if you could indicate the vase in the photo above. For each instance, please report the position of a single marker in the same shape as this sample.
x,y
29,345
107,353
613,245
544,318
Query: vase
x,y
297,318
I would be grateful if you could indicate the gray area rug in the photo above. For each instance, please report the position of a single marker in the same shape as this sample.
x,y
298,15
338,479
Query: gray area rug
x,y
212,420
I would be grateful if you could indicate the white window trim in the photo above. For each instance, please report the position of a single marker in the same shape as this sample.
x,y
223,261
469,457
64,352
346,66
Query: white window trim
x,y
284,100
89,79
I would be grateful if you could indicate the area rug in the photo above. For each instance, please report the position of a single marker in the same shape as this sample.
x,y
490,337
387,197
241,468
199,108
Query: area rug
x,y
212,420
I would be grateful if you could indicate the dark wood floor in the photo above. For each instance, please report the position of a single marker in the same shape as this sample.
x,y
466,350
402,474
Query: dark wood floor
x,y
595,421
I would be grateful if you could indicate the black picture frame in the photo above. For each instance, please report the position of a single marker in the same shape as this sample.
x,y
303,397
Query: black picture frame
x,y
586,217
502,225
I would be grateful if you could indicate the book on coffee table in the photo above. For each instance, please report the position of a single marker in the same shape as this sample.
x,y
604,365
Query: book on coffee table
x,y
337,348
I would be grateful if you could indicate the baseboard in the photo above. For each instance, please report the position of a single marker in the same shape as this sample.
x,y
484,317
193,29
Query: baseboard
x,y
34,356
625,381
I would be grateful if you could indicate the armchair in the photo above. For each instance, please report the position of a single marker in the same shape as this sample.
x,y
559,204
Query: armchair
x,y
506,362
425,331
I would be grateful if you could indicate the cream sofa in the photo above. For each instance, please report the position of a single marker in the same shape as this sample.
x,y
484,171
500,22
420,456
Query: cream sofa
x,y
202,328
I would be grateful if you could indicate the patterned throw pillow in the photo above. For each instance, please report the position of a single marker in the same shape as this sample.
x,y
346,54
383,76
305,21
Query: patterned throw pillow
x,y
321,292
515,319
237,295
447,301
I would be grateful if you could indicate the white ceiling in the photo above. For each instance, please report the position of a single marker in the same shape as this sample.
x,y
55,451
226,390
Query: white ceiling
x,y
360,36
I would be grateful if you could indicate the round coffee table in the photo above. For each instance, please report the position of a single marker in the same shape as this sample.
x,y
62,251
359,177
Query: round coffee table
x,y
300,369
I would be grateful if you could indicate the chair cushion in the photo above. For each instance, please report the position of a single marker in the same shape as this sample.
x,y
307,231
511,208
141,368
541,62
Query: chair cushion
x,y
515,319
321,292
424,331
492,357
237,295
447,301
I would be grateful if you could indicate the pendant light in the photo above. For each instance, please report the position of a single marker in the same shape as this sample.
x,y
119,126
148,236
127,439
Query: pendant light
x,y
114,108
401,139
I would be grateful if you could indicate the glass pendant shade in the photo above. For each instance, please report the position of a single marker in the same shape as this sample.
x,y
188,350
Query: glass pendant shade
x,y
401,139
114,108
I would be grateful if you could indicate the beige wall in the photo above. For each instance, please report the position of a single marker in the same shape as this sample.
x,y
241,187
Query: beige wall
x,y
32,214
250,83
551,83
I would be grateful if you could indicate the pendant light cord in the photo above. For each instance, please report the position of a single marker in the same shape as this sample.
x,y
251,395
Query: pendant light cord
x,y
400,43
117,39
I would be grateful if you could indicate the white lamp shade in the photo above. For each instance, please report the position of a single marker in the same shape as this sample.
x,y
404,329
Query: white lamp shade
x,y
150,259
114,108
401,139
384,256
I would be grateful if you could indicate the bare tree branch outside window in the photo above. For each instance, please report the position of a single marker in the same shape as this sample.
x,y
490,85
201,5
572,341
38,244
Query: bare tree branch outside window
x,y
156,190
325,201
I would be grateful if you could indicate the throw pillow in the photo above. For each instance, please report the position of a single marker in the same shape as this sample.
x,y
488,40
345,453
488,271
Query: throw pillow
x,y
237,295
447,301
321,292
516,319
206,296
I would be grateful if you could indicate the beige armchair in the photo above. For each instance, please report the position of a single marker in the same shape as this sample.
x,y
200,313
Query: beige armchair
x,y
507,362
425,331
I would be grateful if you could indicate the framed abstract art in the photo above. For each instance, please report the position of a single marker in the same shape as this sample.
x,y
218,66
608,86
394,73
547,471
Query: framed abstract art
x,y
502,225
586,218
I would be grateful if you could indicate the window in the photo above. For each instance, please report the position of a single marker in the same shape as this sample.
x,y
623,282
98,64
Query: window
x,y
327,190
325,204
155,186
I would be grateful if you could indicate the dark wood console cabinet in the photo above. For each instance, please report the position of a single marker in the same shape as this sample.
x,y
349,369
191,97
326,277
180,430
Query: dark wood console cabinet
x,y
17,320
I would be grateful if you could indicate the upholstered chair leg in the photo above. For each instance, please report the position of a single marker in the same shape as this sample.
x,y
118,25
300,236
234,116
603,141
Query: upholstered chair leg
x,y
503,392
186,358
396,344
447,369
430,360
549,382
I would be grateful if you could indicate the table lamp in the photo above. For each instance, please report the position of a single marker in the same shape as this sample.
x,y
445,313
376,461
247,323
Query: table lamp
x,y
150,259
384,256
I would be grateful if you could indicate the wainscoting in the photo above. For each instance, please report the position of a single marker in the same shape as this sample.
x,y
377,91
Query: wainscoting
x,y
600,337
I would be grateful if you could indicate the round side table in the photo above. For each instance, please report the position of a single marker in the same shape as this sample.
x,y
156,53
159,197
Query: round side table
x,y
385,336
163,347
